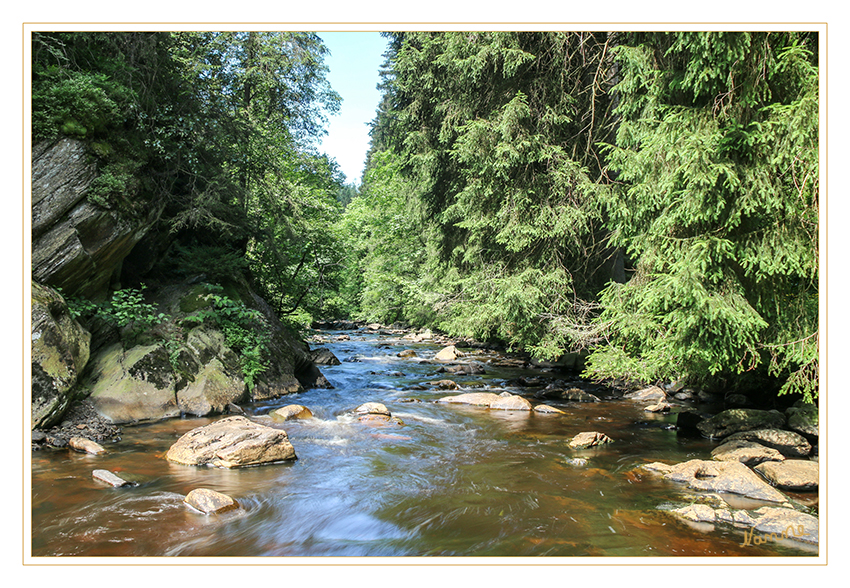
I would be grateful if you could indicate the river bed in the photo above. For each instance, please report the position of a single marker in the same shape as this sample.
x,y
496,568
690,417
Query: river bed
x,y
453,480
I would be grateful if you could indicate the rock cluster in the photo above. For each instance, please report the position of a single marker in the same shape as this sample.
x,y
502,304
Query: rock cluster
x,y
782,523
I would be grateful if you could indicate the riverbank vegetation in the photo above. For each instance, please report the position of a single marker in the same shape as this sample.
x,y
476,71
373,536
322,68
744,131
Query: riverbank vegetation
x,y
650,199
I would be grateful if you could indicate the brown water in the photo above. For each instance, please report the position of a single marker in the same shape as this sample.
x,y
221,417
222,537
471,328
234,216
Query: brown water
x,y
453,480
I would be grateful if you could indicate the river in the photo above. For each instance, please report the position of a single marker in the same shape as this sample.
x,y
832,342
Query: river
x,y
453,480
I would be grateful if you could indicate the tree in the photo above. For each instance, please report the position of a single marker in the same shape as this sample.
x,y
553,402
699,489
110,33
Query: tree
x,y
716,157
497,132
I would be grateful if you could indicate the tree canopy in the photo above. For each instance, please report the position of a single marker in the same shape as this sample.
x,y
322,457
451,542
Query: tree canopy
x,y
650,199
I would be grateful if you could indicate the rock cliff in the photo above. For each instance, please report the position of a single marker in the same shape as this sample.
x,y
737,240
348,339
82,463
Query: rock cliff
x,y
78,247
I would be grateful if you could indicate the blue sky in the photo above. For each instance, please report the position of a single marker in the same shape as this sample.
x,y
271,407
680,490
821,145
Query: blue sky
x,y
354,62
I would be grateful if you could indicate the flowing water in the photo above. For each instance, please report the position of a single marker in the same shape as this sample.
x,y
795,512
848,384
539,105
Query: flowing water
x,y
453,480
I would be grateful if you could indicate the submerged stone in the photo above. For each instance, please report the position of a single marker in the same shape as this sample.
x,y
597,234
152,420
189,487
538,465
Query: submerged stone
x,y
110,478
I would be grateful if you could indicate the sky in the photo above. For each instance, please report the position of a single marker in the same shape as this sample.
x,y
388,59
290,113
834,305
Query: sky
x,y
354,61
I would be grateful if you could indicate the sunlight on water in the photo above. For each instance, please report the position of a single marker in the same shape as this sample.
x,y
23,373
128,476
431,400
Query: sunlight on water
x,y
452,480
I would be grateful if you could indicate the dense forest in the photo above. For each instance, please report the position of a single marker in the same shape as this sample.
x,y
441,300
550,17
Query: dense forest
x,y
650,199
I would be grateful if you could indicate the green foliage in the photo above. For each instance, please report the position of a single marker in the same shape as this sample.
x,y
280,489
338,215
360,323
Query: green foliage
x,y
501,229
244,329
125,310
717,158
113,185
74,103
385,247
217,262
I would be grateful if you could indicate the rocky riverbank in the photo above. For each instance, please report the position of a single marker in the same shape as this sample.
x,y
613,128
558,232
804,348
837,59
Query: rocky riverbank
x,y
747,478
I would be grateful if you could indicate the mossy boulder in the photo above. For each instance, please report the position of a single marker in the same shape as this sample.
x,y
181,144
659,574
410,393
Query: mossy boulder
x,y
133,385
60,351
736,420
147,382
803,418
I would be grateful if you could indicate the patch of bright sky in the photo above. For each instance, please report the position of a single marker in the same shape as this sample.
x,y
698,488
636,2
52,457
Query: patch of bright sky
x,y
354,62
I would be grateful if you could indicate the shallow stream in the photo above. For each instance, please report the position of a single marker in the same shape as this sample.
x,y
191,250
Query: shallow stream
x,y
453,480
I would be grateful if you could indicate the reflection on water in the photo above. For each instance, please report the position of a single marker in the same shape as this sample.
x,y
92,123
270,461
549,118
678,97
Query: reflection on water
x,y
453,480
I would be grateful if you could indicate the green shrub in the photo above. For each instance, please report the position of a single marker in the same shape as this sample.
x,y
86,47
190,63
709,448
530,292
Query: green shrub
x,y
114,183
74,103
244,329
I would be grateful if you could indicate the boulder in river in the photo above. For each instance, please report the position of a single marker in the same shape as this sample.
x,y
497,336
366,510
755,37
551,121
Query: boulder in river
x,y
720,476
653,393
449,353
589,439
797,475
323,356
511,402
209,501
698,513
803,418
787,443
778,521
110,478
290,412
748,453
232,442
84,445
546,409
736,420
445,384
372,408
659,407
475,398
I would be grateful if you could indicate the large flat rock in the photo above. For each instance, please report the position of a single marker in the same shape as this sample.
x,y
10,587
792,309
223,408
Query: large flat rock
x,y
799,475
474,398
232,442
788,443
748,453
720,476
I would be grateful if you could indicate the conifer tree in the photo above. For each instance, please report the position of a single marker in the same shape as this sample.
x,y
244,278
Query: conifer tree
x,y
716,157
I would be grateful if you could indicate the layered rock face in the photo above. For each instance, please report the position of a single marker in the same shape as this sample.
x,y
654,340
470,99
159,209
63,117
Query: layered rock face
x,y
77,245
80,246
